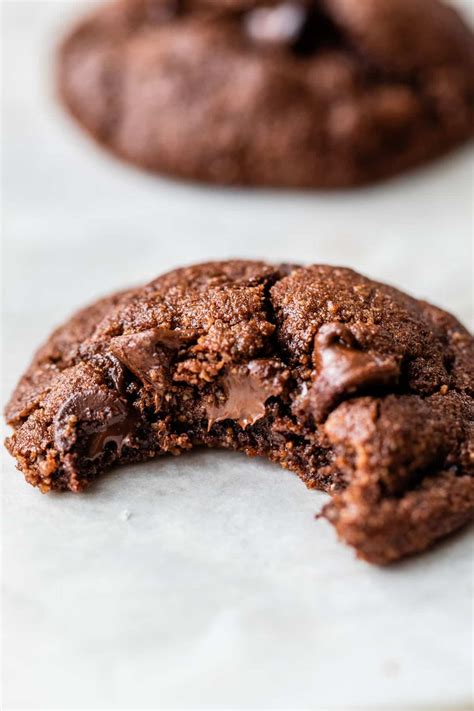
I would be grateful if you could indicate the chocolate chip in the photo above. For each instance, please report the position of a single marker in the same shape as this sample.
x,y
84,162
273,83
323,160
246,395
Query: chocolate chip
x,y
343,369
147,354
89,411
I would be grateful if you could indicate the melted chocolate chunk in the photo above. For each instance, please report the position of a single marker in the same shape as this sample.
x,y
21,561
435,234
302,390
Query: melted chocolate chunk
x,y
118,433
147,355
342,369
246,389
90,411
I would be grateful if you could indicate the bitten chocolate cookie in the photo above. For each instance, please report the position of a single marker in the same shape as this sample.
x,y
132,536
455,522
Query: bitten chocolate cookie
x,y
363,391
322,93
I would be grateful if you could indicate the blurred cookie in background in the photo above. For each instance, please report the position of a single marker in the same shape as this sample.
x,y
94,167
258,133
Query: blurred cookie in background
x,y
327,94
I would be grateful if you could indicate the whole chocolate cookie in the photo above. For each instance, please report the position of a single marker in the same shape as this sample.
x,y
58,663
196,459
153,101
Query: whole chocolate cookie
x,y
363,391
326,93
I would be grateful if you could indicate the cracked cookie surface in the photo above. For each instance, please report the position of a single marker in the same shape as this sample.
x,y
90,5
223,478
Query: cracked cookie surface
x,y
363,391
328,93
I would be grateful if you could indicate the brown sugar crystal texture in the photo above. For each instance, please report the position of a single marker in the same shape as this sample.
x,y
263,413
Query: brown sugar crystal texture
x,y
363,391
316,93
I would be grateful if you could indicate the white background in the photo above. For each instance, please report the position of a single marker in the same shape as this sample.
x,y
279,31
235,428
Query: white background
x,y
220,590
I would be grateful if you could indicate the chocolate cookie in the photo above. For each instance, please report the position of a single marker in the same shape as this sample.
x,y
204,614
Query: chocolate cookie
x,y
363,391
323,93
